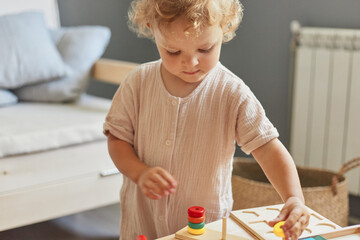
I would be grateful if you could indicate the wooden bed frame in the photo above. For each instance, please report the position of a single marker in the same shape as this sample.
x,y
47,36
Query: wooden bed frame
x,y
50,184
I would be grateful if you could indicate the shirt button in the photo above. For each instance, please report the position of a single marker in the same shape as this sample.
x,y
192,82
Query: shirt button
x,y
174,102
168,142
161,218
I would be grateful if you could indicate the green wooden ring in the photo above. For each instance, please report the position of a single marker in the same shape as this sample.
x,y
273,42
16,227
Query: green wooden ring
x,y
196,225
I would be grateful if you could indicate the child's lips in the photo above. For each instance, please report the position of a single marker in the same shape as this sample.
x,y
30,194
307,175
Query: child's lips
x,y
191,73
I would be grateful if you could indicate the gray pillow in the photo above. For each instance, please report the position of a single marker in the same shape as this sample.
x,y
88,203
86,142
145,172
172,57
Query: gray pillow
x,y
27,52
7,98
79,47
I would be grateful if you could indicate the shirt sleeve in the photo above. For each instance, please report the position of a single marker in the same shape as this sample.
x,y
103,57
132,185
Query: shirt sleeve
x,y
253,128
121,118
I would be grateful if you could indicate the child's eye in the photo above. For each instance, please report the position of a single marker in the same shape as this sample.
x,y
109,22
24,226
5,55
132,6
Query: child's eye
x,y
173,53
205,50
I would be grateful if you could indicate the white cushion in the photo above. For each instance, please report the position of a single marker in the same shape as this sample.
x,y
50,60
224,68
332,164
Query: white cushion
x,y
27,53
30,127
7,98
79,47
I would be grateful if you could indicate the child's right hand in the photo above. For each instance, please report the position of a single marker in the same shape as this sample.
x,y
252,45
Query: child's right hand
x,y
156,182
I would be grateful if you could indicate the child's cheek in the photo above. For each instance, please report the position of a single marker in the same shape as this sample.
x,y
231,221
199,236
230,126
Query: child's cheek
x,y
171,64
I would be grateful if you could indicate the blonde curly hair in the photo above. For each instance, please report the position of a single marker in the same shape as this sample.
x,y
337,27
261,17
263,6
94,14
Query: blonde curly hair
x,y
198,13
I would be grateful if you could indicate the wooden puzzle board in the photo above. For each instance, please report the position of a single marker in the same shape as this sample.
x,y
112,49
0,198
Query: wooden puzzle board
x,y
255,220
347,237
347,233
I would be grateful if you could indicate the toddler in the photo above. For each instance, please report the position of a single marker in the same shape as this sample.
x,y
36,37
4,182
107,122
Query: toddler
x,y
173,124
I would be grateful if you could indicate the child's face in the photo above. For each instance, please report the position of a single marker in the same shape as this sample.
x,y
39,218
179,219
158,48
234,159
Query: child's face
x,y
188,58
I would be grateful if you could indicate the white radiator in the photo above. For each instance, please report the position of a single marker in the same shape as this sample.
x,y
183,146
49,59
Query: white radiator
x,y
325,122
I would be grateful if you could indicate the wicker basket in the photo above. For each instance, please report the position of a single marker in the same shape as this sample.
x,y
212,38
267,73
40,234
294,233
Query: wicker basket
x,y
325,192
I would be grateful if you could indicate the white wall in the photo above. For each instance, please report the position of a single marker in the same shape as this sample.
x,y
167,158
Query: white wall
x,y
49,7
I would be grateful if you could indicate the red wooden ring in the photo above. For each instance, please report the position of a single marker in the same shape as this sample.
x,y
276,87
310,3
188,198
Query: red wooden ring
x,y
196,211
141,237
196,220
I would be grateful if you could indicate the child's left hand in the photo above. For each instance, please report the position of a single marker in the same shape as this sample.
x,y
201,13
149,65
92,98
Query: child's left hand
x,y
296,216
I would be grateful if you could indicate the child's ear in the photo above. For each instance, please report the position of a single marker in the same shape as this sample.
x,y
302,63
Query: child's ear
x,y
150,28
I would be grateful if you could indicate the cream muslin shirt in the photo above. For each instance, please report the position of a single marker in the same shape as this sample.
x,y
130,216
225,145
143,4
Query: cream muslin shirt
x,y
192,137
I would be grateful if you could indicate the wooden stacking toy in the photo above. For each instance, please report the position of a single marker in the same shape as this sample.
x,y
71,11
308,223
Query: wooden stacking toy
x,y
196,220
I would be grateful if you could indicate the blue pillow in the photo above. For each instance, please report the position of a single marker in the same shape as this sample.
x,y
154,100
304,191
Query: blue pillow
x,y
7,98
79,47
27,53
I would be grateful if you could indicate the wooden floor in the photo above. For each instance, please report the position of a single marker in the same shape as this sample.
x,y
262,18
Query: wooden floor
x,y
99,224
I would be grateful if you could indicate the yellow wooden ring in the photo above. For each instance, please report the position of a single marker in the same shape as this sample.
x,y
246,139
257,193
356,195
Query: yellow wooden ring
x,y
196,231
278,229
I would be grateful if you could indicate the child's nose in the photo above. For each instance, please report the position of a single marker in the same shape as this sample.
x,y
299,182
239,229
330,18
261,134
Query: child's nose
x,y
191,60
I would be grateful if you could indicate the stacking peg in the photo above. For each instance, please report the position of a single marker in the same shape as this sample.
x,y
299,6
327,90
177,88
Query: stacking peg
x,y
196,220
